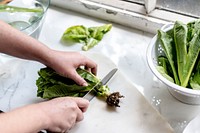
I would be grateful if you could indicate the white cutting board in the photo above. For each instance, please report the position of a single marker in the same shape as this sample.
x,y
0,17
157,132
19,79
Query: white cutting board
x,y
135,115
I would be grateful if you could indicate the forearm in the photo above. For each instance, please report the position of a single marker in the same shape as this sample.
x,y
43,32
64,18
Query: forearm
x,y
20,45
28,119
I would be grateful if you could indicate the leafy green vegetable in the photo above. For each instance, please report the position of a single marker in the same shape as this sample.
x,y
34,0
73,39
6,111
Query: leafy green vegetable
x,y
7,8
164,68
164,73
192,28
76,33
51,85
195,79
88,36
191,59
182,51
167,44
180,38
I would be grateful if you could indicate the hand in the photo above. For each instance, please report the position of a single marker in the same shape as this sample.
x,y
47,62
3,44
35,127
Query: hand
x,y
63,113
57,115
66,63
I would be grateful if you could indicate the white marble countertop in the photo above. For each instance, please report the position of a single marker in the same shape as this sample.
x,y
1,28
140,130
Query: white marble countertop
x,y
126,47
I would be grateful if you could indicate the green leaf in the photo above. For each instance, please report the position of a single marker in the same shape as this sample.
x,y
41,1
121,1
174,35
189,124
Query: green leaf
x,y
164,62
195,78
193,27
163,72
76,33
91,42
98,32
89,37
193,52
51,85
180,39
168,46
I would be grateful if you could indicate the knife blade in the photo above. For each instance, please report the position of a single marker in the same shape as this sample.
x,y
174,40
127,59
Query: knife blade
x,y
91,94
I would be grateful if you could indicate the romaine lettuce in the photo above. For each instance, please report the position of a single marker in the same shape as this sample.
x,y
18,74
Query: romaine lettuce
x,y
89,37
182,52
51,85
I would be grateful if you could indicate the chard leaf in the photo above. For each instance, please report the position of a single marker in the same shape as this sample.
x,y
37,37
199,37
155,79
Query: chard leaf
x,y
168,44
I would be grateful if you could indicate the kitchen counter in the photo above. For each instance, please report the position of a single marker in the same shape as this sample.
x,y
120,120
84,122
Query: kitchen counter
x,y
126,47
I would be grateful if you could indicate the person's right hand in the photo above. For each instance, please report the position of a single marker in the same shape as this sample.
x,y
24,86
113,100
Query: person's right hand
x,y
63,113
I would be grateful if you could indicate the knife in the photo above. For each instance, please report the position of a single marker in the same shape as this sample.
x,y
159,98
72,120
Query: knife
x,y
92,93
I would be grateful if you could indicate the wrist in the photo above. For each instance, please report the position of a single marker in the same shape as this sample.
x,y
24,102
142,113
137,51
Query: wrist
x,y
42,115
21,118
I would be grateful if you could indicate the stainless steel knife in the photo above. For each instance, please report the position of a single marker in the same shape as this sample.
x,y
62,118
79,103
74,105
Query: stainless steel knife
x,y
91,94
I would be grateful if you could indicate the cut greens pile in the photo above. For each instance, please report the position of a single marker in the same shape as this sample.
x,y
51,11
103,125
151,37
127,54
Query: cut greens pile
x,y
181,62
51,85
89,37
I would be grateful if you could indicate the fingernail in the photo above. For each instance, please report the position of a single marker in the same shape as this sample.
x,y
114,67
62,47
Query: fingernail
x,y
85,84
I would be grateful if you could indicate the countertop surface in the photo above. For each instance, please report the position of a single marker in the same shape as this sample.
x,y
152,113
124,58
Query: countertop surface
x,y
124,46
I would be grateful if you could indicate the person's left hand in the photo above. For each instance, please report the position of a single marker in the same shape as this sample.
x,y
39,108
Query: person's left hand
x,y
66,63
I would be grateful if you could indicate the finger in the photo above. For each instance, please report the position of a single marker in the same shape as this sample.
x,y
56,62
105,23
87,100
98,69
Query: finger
x,y
82,104
80,116
92,65
88,69
77,78
94,70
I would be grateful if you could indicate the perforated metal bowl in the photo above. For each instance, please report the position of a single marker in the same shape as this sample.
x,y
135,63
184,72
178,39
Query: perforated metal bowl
x,y
185,95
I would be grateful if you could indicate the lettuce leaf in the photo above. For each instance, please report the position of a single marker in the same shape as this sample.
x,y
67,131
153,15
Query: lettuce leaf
x,y
167,44
89,37
51,85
